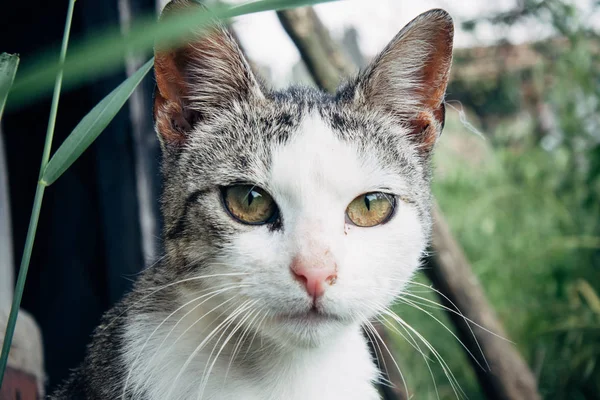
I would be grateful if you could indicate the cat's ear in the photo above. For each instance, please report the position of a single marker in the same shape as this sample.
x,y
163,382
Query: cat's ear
x,y
199,78
408,78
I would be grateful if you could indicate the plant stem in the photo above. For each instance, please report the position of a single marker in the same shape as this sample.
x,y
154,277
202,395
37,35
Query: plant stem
x,y
57,86
37,202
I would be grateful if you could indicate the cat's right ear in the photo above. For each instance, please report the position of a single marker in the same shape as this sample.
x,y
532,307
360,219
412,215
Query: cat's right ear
x,y
408,79
196,80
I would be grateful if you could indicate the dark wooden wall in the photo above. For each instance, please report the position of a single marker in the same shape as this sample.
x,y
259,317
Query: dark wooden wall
x,y
89,241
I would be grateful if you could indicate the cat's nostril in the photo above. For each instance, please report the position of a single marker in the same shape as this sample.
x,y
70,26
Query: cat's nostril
x,y
331,279
299,277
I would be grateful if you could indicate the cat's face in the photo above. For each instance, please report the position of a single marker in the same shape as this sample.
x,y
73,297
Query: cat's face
x,y
308,212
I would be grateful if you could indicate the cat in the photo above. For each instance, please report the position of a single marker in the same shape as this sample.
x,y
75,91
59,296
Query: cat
x,y
291,218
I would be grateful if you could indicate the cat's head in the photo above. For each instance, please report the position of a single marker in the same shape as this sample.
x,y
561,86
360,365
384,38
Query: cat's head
x,y
310,210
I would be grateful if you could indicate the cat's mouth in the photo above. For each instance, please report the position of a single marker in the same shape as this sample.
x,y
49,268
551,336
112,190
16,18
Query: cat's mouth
x,y
312,316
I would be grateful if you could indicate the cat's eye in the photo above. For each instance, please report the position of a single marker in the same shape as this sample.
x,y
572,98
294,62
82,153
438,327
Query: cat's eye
x,y
371,209
249,204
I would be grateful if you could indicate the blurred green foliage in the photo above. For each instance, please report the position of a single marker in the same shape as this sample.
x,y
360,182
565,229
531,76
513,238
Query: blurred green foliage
x,y
525,206
493,99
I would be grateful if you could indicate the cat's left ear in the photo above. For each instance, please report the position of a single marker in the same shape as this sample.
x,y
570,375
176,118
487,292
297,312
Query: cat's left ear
x,y
408,79
198,79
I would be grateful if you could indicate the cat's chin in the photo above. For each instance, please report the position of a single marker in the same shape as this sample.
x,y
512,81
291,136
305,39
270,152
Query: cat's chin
x,y
309,329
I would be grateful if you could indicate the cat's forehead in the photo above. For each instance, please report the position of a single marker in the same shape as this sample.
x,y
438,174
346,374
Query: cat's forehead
x,y
300,135
319,160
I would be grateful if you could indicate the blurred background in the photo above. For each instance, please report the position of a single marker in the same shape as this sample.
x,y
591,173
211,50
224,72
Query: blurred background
x,y
517,176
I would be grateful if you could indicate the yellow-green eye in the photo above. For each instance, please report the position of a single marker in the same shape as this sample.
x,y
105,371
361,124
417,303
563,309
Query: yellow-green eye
x,y
371,209
249,204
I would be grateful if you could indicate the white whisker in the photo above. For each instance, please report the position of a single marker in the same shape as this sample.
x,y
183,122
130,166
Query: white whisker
x,y
412,304
165,287
232,316
210,295
451,378
240,323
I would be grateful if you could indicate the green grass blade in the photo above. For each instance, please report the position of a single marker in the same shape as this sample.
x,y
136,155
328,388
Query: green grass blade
x,y
90,127
8,69
105,51
37,202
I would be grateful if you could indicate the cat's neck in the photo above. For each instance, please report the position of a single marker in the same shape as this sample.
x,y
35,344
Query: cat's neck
x,y
260,368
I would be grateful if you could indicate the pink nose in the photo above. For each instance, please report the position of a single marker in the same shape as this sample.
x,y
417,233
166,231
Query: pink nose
x,y
314,278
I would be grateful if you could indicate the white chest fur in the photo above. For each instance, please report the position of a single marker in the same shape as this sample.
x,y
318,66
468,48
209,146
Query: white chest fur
x,y
342,369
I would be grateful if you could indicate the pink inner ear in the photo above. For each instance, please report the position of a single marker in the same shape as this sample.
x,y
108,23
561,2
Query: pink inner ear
x,y
170,90
436,72
426,126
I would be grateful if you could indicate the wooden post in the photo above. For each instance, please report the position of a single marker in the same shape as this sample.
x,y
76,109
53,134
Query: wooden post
x,y
323,58
509,377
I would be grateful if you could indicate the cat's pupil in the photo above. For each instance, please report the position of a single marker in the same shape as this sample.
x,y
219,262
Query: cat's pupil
x,y
251,196
368,202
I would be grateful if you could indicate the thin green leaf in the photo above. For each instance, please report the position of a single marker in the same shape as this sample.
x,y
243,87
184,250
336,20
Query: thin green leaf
x,y
90,127
37,202
8,70
105,51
